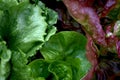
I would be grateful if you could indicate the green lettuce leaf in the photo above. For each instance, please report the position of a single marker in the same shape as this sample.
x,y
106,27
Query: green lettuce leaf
x,y
5,56
27,26
40,78
1,14
5,4
68,46
42,69
39,68
19,69
60,70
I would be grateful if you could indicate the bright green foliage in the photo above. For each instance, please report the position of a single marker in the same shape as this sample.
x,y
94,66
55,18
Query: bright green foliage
x,y
39,68
24,28
28,26
69,47
60,70
19,70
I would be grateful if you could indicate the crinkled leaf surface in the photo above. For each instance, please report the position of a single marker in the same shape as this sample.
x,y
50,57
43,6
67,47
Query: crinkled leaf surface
x,y
27,29
5,56
27,26
19,70
68,46
60,70
24,27
39,68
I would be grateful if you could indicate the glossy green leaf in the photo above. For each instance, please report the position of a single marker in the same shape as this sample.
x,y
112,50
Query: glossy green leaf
x,y
39,68
68,46
60,70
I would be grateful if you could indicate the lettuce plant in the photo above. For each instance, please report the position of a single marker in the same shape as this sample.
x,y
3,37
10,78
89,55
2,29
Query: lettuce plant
x,y
34,43
26,30
69,51
100,22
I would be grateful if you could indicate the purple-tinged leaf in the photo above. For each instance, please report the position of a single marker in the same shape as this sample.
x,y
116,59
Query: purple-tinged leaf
x,y
92,57
108,6
91,51
88,18
118,48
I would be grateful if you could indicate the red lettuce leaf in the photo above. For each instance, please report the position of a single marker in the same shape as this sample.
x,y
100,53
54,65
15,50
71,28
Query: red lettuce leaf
x,y
88,18
91,53
108,6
